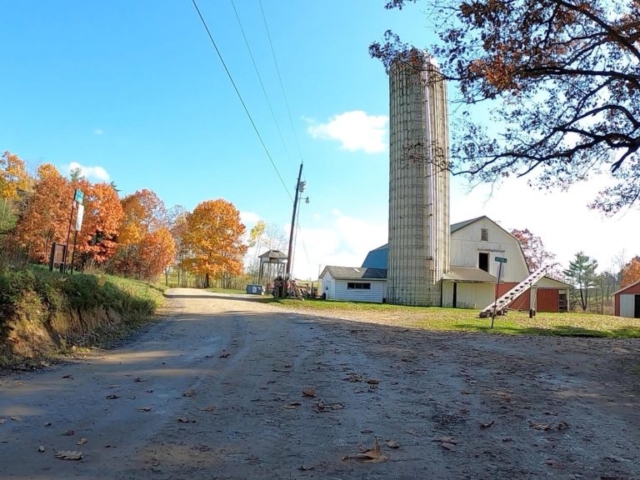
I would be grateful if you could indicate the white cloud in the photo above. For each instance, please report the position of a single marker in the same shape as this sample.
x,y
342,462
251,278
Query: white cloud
x,y
249,217
95,173
98,131
344,242
355,130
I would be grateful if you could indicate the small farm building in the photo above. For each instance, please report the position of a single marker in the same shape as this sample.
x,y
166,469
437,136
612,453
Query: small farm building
x,y
356,284
627,301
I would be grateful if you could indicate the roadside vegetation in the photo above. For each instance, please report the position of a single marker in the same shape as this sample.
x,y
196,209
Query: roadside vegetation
x,y
459,319
44,314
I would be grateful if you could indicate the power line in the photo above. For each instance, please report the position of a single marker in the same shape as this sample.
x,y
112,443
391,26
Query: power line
x,y
255,128
264,91
275,60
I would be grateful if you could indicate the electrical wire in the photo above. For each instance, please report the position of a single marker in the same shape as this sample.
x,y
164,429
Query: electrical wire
x,y
275,60
264,90
244,105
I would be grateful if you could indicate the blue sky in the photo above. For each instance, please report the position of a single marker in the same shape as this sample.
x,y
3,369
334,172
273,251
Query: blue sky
x,y
134,93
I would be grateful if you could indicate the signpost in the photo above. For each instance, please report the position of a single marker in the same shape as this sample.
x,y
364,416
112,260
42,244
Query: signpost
x,y
78,197
79,218
500,261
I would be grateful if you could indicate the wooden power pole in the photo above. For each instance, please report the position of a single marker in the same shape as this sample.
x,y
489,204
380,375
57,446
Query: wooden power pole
x,y
293,224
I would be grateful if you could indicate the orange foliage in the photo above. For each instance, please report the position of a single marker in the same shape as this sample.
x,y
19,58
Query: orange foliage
x,y
213,239
102,216
156,252
144,212
631,272
45,218
13,176
145,245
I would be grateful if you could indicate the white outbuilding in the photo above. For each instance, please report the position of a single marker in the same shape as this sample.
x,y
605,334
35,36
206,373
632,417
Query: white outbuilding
x,y
357,284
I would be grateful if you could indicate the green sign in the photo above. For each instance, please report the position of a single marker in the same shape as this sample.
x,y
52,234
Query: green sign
x,y
501,260
78,196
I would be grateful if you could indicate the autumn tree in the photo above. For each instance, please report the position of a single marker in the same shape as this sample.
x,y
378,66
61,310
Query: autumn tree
x,y
535,254
631,272
14,181
177,223
157,251
213,239
582,274
549,87
143,214
45,216
97,239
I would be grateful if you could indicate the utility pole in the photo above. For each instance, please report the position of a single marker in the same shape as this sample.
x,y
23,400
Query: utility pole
x,y
299,188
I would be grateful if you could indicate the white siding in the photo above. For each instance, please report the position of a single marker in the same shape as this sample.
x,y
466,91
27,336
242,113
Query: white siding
x,y
474,295
466,245
447,294
627,305
328,286
375,294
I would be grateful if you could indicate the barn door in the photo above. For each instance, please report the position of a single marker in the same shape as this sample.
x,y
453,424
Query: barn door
x,y
637,309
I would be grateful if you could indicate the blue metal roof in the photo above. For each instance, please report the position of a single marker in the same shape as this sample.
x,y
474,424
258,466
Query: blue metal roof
x,y
378,258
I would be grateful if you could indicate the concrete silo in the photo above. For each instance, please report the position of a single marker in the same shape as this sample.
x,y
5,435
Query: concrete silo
x,y
419,181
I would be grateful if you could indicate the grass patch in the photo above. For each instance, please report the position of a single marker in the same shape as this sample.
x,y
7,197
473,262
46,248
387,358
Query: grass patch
x,y
458,319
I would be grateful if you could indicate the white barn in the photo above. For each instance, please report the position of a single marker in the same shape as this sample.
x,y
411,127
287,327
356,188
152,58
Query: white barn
x,y
356,284
470,281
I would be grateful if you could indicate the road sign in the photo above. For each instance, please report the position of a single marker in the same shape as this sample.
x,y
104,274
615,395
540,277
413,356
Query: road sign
x,y
79,217
501,260
78,196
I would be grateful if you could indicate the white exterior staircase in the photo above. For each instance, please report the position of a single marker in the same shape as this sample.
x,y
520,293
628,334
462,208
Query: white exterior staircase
x,y
514,293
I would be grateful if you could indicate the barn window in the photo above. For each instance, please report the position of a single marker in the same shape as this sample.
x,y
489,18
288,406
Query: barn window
x,y
358,286
484,234
483,261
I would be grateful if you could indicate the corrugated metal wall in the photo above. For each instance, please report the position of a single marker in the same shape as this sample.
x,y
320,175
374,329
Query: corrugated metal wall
x,y
418,181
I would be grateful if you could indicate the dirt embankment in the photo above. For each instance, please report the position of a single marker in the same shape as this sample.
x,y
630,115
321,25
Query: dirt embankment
x,y
43,314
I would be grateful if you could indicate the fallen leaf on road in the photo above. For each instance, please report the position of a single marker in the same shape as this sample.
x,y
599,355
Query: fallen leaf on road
x,y
337,406
67,376
48,424
69,455
16,419
82,441
373,455
149,391
111,387
69,433
465,392
41,448
185,420
562,425
292,405
309,392
288,365
138,380
224,354
540,426
448,446
112,397
305,468
487,424
393,444
144,409
189,393
366,431
556,464
210,408
373,381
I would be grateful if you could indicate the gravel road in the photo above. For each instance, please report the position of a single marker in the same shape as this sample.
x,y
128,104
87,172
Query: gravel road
x,y
230,388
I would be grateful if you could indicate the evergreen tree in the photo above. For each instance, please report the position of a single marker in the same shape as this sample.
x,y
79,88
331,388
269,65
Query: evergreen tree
x,y
582,274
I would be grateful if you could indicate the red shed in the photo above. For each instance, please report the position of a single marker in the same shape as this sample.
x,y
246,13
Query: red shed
x,y
627,301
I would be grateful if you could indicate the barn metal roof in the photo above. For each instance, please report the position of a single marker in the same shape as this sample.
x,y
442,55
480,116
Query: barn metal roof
x,y
355,273
628,287
469,274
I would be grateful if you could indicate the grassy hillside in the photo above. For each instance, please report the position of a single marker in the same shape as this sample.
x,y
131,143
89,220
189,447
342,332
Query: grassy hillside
x,y
43,312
